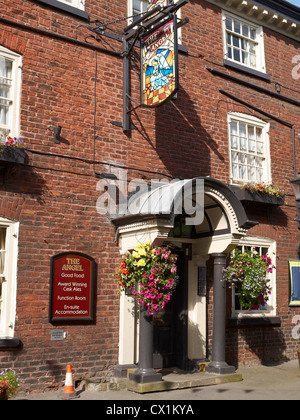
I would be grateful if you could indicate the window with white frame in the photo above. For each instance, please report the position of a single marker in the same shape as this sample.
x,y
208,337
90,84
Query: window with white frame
x,y
249,149
8,276
10,80
137,7
243,42
264,246
79,4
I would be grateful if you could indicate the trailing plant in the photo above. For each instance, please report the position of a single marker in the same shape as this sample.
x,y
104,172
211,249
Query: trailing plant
x,y
150,273
11,381
264,188
9,141
248,272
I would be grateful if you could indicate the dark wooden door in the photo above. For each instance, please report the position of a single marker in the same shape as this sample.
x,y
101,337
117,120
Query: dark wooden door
x,y
170,326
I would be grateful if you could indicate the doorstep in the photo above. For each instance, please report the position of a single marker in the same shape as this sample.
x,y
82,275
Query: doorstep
x,y
182,380
172,379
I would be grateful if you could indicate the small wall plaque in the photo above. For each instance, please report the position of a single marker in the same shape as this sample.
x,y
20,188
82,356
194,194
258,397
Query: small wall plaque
x,y
57,335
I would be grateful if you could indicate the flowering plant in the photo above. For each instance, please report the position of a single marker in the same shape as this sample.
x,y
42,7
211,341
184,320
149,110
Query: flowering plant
x,y
11,142
153,270
264,188
247,273
10,382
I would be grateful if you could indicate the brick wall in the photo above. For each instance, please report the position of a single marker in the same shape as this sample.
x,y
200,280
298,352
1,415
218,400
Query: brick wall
x,y
54,195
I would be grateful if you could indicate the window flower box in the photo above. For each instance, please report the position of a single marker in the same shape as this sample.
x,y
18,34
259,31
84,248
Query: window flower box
x,y
12,155
257,196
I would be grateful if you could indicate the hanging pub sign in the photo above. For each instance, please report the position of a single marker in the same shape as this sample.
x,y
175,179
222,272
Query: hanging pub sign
x,y
159,67
72,285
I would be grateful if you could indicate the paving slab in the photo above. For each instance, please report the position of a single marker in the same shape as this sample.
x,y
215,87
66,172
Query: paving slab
x,y
182,380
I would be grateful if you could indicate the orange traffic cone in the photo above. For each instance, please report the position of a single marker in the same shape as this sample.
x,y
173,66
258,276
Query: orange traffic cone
x,y
69,390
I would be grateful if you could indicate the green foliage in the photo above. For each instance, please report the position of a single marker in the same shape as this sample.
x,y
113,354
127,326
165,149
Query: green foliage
x,y
247,273
152,271
11,381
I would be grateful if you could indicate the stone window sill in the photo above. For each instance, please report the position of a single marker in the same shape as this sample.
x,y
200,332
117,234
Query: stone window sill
x,y
272,321
65,8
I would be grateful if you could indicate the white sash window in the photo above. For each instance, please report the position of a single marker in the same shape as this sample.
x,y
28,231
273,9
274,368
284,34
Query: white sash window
x,y
79,4
249,149
10,81
8,276
243,42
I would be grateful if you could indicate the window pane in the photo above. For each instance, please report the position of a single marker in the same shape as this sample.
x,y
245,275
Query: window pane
x,y
237,27
234,142
229,24
245,31
4,112
243,129
5,68
139,6
253,34
236,55
252,61
236,41
234,127
245,58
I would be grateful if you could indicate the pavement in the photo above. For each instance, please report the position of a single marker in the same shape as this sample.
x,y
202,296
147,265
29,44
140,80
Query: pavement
x,y
276,382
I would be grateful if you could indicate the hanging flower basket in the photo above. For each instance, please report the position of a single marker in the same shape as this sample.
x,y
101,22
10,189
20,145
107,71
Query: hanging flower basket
x,y
248,272
150,273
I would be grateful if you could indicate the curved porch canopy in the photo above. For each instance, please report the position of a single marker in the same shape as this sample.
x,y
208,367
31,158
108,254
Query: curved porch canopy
x,y
202,210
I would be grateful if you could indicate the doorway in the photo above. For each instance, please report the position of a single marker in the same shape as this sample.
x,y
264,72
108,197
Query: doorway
x,y
170,331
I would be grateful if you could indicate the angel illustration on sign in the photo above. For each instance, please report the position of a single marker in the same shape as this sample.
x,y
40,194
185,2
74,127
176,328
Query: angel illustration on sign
x,y
158,69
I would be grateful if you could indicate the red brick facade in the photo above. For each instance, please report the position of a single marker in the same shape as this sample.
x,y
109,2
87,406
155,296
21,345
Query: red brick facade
x,y
54,195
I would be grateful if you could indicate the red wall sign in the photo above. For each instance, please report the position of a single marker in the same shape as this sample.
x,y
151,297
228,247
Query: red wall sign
x,y
72,287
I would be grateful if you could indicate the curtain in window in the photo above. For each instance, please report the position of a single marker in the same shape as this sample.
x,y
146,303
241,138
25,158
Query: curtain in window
x,y
5,93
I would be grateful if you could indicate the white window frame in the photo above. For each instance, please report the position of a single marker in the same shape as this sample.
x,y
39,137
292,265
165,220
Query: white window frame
x,y
259,243
130,13
79,4
9,286
12,128
250,120
260,64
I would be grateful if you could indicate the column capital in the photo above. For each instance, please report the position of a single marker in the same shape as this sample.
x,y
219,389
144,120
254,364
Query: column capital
x,y
219,258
